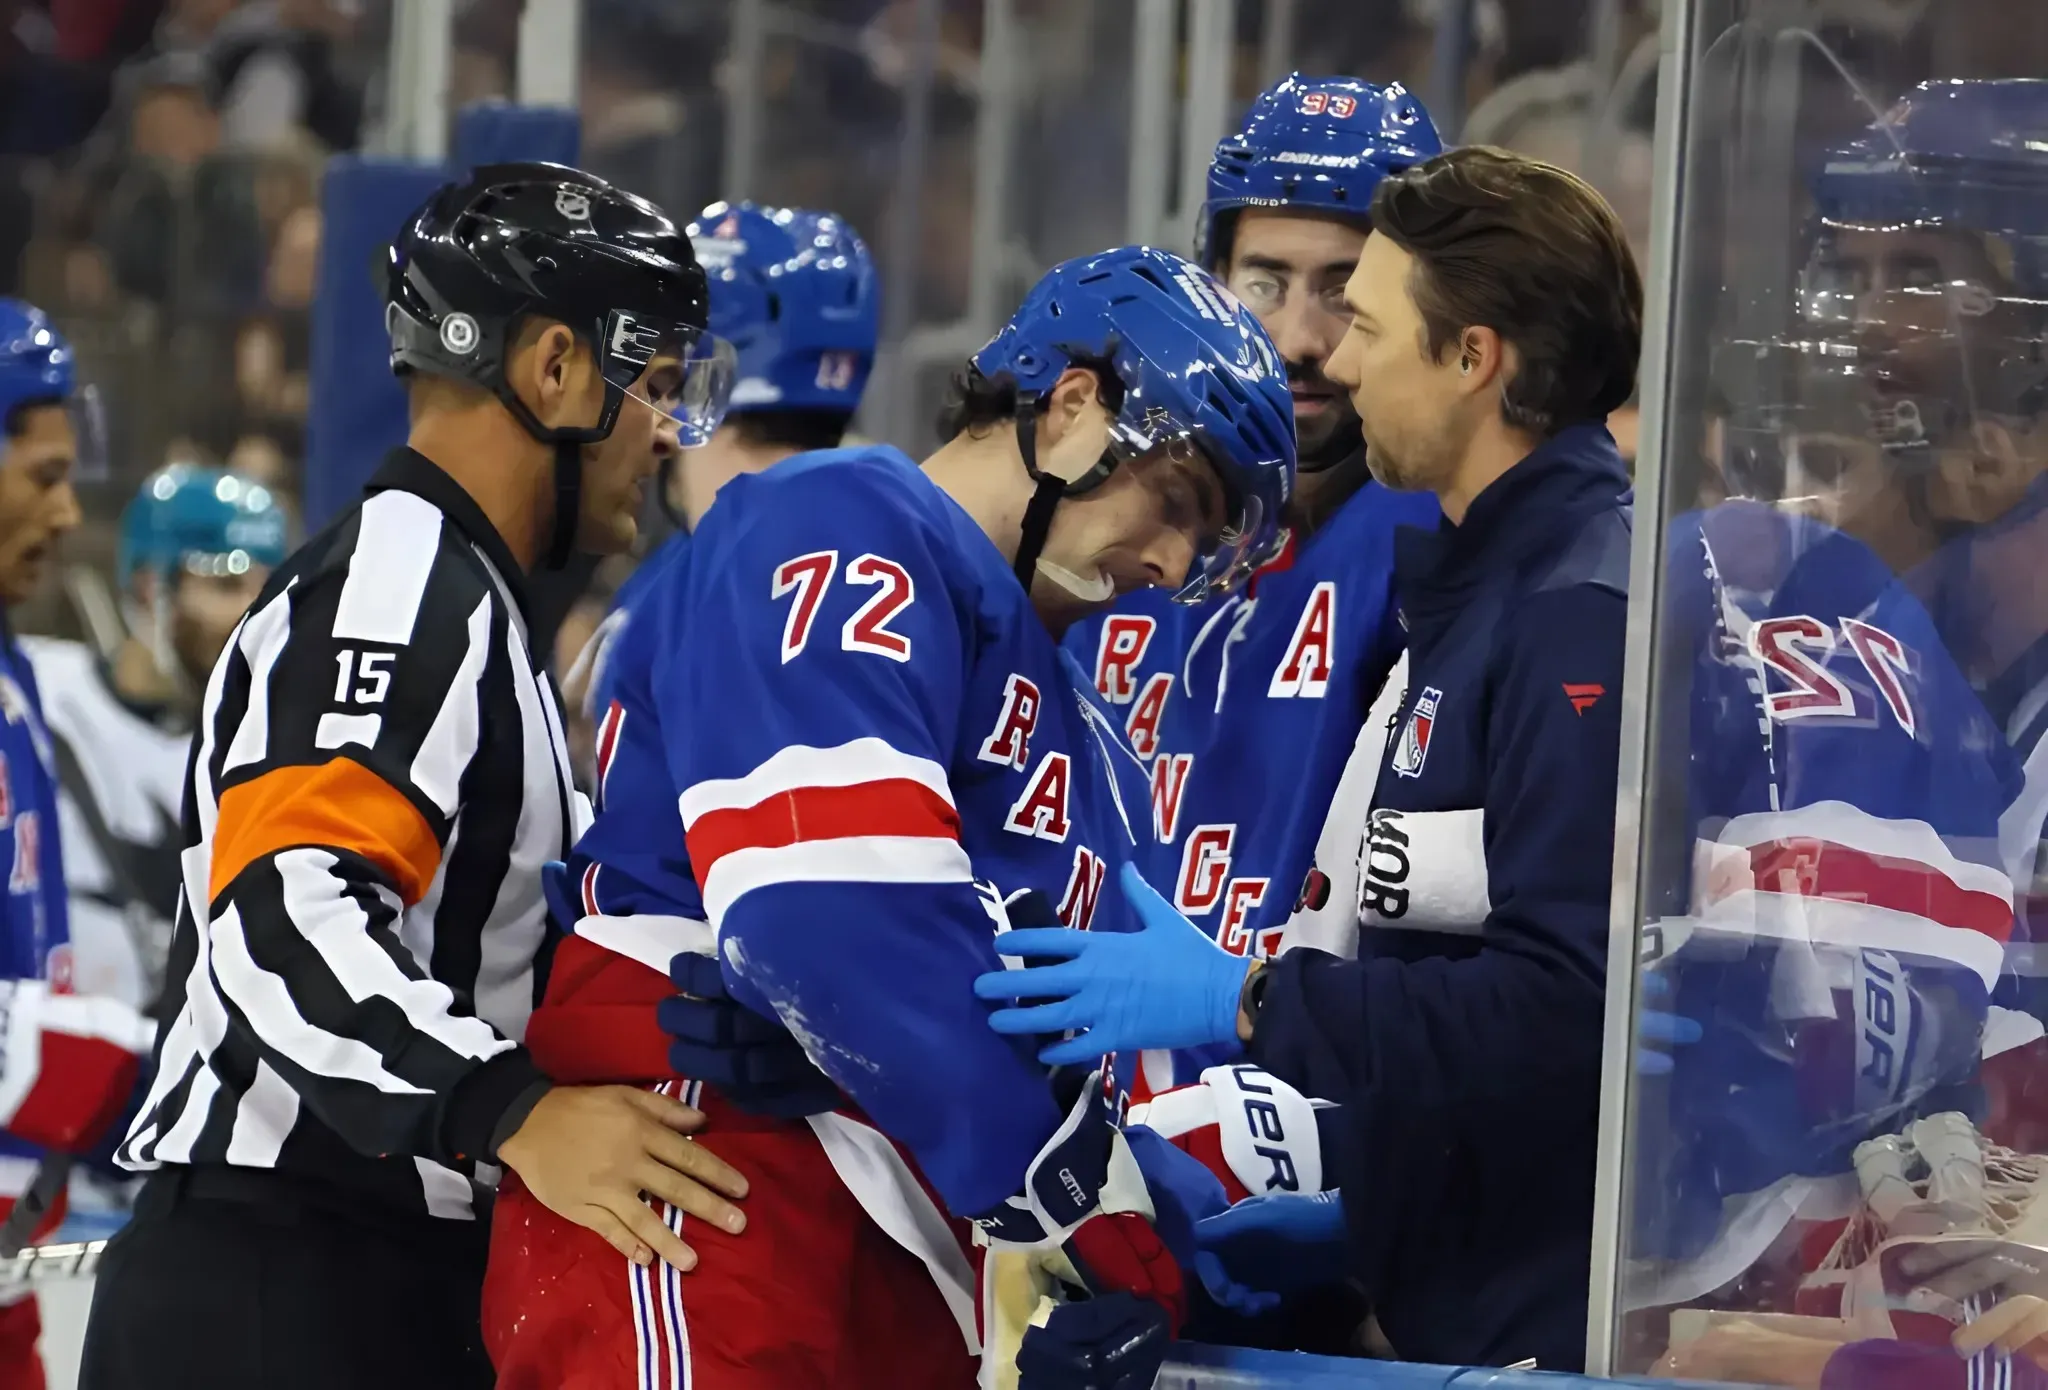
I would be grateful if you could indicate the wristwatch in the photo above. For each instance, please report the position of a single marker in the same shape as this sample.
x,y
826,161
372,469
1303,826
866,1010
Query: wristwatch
x,y
1253,995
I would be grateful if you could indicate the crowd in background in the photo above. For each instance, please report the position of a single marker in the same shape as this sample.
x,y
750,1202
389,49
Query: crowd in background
x,y
160,161
160,164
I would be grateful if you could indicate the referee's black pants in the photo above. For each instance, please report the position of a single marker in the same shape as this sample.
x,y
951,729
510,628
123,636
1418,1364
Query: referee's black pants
x,y
238,1279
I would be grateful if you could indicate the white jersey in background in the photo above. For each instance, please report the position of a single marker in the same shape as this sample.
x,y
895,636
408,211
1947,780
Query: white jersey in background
x,y
122,780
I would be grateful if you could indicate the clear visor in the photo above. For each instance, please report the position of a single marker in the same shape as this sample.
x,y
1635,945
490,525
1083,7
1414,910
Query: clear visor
x,y
692,374
1231,534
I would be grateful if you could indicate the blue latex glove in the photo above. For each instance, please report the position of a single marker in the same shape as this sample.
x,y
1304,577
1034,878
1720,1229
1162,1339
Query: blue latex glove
x,y
1116,1341
1184,1191
1658,1030
1266,1249
753,1061
561,896
1165,985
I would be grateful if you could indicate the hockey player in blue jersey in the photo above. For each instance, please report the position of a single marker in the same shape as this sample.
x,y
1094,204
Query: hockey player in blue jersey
x,y
1246,708
846,738
70,1062
1472,1015
795,293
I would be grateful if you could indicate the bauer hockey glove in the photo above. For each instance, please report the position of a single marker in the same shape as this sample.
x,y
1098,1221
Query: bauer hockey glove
x,y
753,1061
1165,985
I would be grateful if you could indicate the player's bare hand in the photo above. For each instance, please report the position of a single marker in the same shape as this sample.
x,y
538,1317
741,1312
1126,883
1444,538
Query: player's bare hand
x,y
589,1153
2017,1326
1749,1353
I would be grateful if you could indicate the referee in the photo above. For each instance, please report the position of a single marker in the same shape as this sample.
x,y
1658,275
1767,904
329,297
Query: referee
x,y
379,776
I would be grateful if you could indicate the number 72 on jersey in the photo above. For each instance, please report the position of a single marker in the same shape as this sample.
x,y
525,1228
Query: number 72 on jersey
x,y
807,579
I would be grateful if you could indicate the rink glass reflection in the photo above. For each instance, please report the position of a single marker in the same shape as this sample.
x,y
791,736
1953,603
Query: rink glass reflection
x,y
1837,1153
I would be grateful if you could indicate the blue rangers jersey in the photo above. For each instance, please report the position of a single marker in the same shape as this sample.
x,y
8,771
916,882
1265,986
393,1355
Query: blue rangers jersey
x,y
1245,709
67,1063
1979,589
600,684
839,738
1841,911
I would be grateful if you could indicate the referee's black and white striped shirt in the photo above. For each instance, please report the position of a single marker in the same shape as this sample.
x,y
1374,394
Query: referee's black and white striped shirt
x,y
379,774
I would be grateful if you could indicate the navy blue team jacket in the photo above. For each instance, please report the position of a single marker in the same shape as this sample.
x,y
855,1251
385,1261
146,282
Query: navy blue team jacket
x,y
1464,1042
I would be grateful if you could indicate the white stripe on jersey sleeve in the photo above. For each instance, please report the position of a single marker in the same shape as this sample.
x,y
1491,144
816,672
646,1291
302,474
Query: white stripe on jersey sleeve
x,y
397,542
263,638
855,859
263,1000
450,744
263,1117
799,766
330,919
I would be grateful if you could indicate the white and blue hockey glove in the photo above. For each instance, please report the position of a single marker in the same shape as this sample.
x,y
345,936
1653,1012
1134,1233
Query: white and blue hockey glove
x,y
1165,985
1083,1227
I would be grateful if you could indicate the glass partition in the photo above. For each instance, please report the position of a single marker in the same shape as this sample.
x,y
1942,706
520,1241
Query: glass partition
x,y
1836,1143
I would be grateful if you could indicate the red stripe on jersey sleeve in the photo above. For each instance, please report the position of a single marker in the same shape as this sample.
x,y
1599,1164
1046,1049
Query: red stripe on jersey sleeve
x,y
1817,868
892,806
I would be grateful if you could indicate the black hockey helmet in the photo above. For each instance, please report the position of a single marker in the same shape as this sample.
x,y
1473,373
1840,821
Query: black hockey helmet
x,y
515,241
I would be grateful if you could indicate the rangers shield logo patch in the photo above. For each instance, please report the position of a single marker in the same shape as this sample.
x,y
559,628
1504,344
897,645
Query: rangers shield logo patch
x,y
1414,744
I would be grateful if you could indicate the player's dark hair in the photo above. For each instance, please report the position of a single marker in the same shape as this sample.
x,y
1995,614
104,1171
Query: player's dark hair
x,y
974,405
792,429
17,414
1533,252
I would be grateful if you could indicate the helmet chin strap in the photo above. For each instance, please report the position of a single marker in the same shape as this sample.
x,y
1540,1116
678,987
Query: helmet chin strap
x,y
568,504
1045,496
568,445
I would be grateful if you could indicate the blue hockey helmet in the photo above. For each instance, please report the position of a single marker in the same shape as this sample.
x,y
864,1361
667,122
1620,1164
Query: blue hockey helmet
x,y
1923,306
1955,329
38,367
794,292
1971,156
202,521
1195,368
1317,143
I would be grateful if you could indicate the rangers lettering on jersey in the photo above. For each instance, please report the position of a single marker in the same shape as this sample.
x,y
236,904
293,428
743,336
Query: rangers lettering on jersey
x,y
1204,866
1142,728
1240,897
1125,636
1042,809
1169,780
1084,890
1010,743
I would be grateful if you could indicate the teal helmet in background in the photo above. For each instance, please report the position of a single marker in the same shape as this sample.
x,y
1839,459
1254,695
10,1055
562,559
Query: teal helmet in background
x,y
190,519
